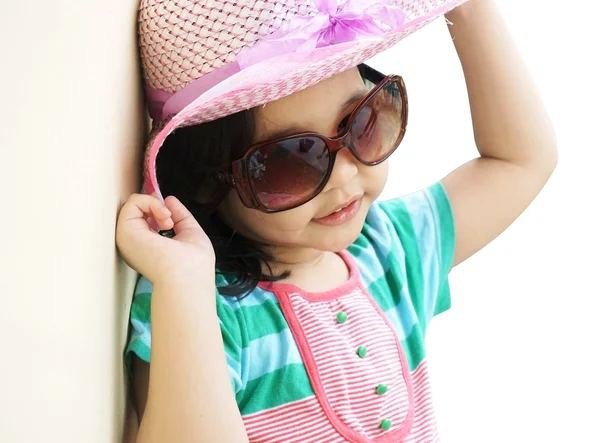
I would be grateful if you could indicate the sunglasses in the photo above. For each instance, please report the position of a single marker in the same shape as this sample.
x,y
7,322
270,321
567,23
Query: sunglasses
x,y
287,172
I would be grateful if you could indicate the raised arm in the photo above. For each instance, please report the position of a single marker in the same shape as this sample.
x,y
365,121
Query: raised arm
x,y
512,130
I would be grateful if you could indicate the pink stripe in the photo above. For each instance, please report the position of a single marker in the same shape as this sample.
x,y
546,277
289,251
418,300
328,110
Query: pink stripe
x,y
304,420
348,396
346,407
300,421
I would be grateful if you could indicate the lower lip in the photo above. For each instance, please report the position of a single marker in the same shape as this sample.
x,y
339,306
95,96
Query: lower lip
x,y
340,217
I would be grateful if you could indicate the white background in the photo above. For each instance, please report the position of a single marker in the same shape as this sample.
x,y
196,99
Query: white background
x,y
516,359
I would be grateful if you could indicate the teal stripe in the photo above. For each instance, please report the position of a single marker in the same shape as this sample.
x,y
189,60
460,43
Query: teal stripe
x,y
141,331
140,340
234,375
423,215
143,286
268,354
393,298
276,388
401,328
373,246
257,297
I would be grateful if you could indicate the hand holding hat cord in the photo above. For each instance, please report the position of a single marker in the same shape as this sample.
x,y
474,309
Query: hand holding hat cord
x,y
158,258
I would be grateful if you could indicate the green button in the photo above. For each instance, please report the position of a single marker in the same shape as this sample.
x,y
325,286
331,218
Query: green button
x,y
381,389
362,351
385,424
342,317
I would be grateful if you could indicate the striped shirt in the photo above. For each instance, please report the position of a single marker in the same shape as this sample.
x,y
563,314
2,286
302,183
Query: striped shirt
x,y
347,364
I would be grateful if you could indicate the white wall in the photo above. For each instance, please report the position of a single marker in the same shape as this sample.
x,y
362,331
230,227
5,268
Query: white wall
x,y
517,358
70,133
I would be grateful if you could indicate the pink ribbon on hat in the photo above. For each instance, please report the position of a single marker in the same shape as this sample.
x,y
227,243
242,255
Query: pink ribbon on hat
x,y
334,24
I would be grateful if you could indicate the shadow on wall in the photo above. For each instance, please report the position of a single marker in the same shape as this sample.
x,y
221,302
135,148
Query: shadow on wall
x,y
130,169
134,132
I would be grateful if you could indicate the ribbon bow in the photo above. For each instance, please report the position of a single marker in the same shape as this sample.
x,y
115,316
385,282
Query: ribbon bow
x,y
334,24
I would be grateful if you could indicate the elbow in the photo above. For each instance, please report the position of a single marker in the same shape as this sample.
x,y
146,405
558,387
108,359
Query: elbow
x,y
550,160
550,154
544,161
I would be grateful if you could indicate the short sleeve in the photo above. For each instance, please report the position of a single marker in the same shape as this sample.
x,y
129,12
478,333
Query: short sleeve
x,y
413,240
140,337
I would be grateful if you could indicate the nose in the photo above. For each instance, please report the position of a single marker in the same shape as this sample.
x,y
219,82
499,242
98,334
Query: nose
x,y
344,170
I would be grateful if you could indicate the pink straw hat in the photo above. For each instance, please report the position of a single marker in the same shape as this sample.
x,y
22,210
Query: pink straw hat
x,y
206,59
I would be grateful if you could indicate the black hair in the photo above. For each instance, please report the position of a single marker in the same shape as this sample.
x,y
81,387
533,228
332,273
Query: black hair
x,y
188,167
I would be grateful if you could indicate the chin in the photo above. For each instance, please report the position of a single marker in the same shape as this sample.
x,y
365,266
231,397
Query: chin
x,y
338,238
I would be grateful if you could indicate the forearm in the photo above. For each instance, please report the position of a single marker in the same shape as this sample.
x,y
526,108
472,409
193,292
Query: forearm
x,y
189,393
510,122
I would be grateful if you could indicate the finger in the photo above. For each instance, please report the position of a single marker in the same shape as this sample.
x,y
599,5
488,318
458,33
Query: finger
x,y
161,214
181,216
140,206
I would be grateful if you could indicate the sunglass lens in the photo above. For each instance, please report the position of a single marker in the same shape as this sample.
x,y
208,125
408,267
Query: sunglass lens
x,y
289,173
377,128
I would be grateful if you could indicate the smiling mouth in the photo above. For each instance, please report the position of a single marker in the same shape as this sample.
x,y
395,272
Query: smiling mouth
x,y
344,206
342,214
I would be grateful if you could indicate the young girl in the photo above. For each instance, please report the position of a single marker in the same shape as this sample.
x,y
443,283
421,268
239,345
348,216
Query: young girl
x,y
271,141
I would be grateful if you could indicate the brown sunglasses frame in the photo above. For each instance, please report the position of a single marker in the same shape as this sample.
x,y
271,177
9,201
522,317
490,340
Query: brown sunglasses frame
x,y
238,178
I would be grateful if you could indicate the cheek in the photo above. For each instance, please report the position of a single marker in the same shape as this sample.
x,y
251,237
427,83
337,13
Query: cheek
x,y
276,228
375,178
281,227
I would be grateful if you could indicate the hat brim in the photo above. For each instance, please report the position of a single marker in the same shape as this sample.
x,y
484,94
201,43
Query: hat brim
x,y
273,79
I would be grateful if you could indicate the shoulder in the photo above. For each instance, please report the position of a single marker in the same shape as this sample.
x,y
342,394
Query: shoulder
x,y
407,226
407,241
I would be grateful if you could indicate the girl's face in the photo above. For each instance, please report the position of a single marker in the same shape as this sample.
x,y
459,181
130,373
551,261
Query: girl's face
x,y
320,108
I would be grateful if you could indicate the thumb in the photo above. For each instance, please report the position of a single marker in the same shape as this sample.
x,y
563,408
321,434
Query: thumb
x,y
183,220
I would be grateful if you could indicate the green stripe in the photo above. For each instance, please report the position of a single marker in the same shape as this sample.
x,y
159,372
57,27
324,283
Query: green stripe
x,y
414,348
230,330
140,309
398,213
362,242
443,301
386,289
139,348
276,388
446,228
447,237
261,320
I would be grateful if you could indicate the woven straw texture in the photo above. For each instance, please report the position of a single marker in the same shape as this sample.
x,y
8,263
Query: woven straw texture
x,y
181,40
